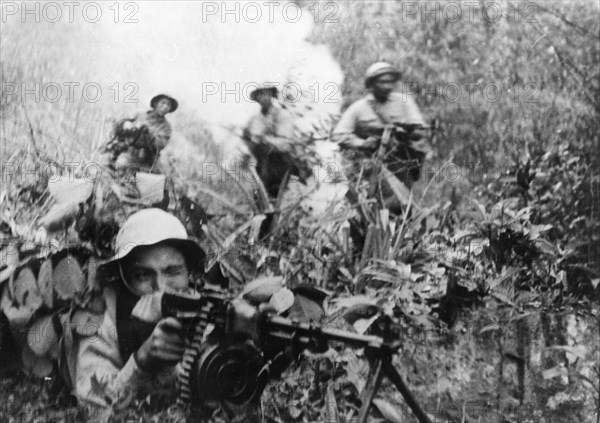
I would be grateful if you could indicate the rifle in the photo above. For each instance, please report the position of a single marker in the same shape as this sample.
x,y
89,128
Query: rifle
x,y
248,346
400,131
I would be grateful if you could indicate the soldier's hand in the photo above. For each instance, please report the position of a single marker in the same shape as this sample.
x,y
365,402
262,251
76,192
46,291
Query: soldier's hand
x,y
164,347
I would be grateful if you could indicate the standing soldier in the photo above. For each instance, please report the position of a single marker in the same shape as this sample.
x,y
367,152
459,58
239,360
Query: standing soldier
x,y
362,129
269,136
137,142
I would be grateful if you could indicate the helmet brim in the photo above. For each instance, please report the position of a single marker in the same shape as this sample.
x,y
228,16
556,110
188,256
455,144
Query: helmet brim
x,y
195,256
254,94
395,73
156,99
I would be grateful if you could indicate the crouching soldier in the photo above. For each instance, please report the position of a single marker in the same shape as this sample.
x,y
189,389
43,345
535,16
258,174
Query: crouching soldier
x,y
137,142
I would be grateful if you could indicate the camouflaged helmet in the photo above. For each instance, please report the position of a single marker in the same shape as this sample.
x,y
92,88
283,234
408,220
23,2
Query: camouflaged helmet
x,y
378,69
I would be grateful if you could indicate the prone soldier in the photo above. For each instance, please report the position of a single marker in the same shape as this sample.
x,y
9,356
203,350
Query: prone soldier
x,y
126,354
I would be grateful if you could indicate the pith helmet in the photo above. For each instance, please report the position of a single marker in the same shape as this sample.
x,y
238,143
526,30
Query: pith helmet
x,y
271,88
380,68
156,99
152,226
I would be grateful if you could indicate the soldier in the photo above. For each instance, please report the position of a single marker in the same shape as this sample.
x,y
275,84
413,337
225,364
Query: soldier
x,y
362,125
138,142
126,354
267,134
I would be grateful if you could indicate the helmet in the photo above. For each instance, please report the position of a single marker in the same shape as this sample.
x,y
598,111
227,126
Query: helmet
x,y
151,226
380,68
156,99
273,89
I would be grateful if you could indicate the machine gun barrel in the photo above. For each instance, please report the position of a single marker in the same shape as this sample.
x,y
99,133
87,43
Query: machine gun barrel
x,y
307,334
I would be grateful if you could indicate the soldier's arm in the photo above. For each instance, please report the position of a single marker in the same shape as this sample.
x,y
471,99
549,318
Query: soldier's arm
x,y
253,131
162,135
285,124
415,127
410,132
345,132
99,376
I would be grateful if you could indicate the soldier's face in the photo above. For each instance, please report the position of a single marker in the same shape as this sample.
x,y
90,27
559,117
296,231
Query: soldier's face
x,y
156,268
384,85
163,106
264,98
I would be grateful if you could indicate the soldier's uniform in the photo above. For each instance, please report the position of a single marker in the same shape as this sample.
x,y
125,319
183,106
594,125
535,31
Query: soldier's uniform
x,y
366,119
105,357
266,135
137,142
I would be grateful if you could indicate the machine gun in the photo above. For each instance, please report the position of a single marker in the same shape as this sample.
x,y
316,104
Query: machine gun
x,y
248,346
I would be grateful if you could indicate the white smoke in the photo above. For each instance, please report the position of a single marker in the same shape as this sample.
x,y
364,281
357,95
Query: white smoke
x,y
208,55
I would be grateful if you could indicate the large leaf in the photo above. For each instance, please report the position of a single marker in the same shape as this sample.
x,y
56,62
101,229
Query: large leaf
x,y
42,337
400,191
60,216
25,299
282,300
573,352
260,290
9,260
506,275
151,187
44,282
554,372
67,278
69,190
305,309
342,303
34,365
391,413
361,311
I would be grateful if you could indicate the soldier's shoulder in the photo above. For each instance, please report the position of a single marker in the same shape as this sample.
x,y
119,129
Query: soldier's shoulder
x,y
359,104
400,96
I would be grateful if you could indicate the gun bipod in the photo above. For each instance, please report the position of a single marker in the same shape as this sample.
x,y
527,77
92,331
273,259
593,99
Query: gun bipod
x,y
378,350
